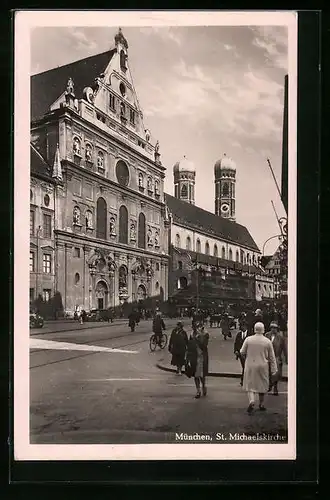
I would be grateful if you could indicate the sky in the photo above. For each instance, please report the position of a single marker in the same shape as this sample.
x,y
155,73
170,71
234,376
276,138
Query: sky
x,y
204,91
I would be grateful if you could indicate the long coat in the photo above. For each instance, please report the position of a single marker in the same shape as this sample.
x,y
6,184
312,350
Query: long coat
x,y
177,346
259,362
280,350
201,340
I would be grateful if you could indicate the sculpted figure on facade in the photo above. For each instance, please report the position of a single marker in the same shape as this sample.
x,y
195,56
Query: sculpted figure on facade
x,y
133,231
76,146
89,220
157,238
70,87
88,152
112,226
76,216
149,237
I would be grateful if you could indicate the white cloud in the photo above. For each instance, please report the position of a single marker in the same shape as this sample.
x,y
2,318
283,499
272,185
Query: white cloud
x,y
166,33
274,42
82,41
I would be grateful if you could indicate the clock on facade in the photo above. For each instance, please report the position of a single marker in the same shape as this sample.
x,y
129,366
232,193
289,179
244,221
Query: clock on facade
x,y
224,208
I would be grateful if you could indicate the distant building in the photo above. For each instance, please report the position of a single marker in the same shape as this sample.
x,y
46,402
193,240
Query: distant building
x,y
212,257
273,268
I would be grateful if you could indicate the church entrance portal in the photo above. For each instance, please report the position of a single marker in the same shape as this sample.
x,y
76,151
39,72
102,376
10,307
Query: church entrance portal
x,y
101,294
141,293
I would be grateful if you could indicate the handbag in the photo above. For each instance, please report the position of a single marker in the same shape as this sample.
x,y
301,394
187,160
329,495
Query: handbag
x,y
188,371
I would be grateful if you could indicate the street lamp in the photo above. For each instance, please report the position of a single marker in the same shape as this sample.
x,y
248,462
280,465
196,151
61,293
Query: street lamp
x,y
279,236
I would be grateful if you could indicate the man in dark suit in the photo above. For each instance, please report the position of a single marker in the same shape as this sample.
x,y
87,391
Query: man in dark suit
x,y
280,349
242,334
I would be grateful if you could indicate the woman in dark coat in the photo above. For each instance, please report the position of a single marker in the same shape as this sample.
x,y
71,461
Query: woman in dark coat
x,y
198,358
178,346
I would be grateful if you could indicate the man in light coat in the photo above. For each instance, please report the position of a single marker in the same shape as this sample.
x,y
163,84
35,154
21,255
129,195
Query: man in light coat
x,y
260,362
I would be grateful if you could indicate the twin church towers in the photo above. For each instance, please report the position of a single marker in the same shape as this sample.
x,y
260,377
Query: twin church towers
x,y
224,178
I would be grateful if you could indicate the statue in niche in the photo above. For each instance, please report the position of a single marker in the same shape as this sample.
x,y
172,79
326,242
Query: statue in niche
x,y
157,239
70,87
88,152
76,216
149,236
76,146
149,184
89,220
147,132
112,226
133,231
111,266
157,148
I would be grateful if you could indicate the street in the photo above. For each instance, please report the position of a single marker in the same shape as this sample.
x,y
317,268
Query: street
x,y
101,384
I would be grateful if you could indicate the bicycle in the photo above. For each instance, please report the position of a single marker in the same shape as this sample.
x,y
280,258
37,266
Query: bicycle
x,y
153,343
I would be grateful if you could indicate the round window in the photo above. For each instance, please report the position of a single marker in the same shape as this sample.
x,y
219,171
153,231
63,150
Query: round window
x,y
122,173
76,278
46,200
122,89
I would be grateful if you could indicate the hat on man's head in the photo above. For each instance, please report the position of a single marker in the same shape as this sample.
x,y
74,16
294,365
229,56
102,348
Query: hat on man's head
x,y
258,312
273,324
259,328
179,323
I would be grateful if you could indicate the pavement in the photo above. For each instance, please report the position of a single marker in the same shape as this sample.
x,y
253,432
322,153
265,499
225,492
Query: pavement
x,y
102,385
222,362
70,325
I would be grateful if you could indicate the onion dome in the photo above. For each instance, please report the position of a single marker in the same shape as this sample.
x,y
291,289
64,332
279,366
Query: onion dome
x,y
184,165
225,163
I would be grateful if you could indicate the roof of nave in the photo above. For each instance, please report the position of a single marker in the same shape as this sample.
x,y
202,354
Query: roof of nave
x,y
195,217
39,165
48,86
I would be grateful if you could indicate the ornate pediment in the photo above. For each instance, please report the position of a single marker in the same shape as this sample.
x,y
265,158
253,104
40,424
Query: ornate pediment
x,y
101,260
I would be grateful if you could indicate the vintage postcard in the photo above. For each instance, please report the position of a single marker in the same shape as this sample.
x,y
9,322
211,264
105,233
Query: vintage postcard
x,y
155,286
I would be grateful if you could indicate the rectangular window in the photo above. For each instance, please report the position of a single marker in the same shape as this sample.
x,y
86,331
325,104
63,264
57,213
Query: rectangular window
x,y
132,117
32,262
46,294
47,263
47,229
31,294
112,102
32,222
77,252
76,186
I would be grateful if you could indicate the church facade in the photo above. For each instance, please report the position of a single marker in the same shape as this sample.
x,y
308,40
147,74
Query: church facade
x,y
109,233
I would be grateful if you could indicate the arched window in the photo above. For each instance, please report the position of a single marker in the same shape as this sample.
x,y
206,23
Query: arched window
x,y
230,254
177,241
182,283
207,248
188,243
123,60
248,258
215,251
225,189
76,216
142,231
237,256
198,246
101,218
180,264
184,191
123,225
223,253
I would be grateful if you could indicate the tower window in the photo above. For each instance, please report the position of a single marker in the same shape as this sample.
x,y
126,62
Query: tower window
x,y
184,191
225,189
112,102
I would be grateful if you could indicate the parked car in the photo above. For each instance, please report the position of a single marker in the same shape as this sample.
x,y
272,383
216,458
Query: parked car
x,y
36,321
98,315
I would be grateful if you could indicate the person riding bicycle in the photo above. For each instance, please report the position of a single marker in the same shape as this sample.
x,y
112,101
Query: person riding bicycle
x,y
158,326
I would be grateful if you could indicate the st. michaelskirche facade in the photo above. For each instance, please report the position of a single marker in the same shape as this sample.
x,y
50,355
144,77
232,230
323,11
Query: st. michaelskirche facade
x,y
102,241
103,233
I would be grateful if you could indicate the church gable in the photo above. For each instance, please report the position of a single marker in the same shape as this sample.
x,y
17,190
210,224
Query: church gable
x,y
116,96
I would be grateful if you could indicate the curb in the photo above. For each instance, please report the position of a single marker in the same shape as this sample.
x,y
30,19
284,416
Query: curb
x,y
102,323
211,374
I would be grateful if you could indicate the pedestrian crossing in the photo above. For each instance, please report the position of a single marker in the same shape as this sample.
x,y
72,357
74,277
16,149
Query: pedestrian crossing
x,y
69,346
